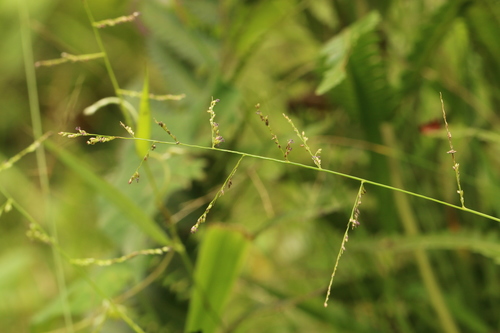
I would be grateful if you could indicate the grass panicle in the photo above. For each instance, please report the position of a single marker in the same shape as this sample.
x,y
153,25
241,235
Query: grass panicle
x,y
128,129
67,57
108,262
227,184
136,176
94,138
115,21
274,137
353,223
217,139
100,139
452,152
302,135
165,128
6,207
36,233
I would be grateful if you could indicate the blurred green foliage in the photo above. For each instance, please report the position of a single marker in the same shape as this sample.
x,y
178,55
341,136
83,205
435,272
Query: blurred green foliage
x,y
360,78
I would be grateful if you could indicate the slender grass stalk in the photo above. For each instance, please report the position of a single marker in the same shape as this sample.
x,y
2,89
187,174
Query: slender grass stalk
x,y
227,184
107,63
108,262
411,228
67,57
274,137
31,148
452,152
36,122
302,136
353,223
265,158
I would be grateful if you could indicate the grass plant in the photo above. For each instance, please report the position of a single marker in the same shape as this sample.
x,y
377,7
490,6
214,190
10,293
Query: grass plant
x,y
195,254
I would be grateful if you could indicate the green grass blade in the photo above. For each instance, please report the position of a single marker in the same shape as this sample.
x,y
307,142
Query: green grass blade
x,y
124,203
220,259
144,122
90,110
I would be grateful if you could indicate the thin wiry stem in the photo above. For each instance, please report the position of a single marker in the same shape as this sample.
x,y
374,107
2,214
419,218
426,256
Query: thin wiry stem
x,y
107,63
227,184
359,179
36,121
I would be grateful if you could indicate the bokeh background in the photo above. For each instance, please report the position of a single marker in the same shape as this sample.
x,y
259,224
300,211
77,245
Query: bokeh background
x,y
361,78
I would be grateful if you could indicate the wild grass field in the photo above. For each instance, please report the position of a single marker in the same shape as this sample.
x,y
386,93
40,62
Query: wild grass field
x,y
250,166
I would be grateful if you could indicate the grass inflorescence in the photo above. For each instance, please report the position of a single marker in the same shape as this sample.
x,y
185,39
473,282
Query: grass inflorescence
x,y
302,136
274,137
227,184
67,57
108,262
36,232
452,152
351,224
217,139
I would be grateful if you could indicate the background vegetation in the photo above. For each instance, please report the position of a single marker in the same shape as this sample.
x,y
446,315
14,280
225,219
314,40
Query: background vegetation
x,y
360,78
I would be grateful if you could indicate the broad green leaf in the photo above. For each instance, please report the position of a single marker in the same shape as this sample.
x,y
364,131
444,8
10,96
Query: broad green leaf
x,y
219,262
144,122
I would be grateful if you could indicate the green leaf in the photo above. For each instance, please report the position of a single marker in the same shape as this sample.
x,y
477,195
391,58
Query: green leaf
x,y
144,122
220,259
90,110
338,50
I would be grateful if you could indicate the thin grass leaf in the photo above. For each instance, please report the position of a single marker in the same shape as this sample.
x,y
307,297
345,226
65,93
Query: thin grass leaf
x,y
90,110
144,122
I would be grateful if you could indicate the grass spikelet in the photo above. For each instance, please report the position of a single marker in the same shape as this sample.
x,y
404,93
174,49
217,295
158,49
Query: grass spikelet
x,y
165,128
115,21
108,262
67,57
216,137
